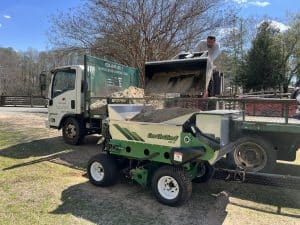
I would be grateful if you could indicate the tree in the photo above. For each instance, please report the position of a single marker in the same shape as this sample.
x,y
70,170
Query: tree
x,y
19,71
135,31
235,41
290,45
263,67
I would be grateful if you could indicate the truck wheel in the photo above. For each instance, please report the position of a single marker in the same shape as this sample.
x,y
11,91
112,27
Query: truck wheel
x,y
171,185
72,131
102,170
254,154
205,173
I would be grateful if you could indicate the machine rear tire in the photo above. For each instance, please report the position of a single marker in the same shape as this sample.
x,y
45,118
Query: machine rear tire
x,y
249,150
206,172
73,131
171,185
102,170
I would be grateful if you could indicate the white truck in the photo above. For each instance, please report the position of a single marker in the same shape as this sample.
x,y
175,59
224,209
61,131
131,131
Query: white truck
x,y
74,88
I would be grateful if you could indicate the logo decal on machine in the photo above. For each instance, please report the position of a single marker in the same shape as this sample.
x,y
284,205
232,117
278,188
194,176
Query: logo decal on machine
x,y
129,134
163,136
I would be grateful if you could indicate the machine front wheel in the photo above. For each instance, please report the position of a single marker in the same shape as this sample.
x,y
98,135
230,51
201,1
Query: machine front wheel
x,y
171,185
102,170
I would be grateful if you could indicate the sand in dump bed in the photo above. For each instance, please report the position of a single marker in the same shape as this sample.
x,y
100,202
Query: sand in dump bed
x,y
130,92
149,114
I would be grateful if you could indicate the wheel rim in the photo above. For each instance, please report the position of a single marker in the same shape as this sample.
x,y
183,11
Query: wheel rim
x,y
250,156
168,187
97,171
70,130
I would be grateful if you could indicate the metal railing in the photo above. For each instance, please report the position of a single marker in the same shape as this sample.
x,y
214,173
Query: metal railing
x,y
273,110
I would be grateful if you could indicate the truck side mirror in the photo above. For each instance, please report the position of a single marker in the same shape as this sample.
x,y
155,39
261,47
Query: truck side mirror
x,y
43,80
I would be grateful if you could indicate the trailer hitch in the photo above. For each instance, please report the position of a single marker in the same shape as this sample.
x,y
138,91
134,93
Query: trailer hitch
x,y
238,175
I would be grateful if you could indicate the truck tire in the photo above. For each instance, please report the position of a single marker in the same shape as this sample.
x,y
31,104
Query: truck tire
x,y
205,173
102,170
171,185
73,131
254,154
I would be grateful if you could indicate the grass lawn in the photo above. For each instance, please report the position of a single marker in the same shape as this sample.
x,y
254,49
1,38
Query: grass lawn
x,y
42,181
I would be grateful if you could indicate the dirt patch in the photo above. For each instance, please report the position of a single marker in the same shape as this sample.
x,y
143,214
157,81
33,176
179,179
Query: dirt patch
x,y
150,114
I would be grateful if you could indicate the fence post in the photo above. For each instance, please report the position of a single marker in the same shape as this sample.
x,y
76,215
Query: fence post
x,y
244,110
31,103
1,100
286,112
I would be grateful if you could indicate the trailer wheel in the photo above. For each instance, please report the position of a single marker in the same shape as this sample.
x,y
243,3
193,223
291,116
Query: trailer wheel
x,y
171,185
102,170
72,131
254,154
205,173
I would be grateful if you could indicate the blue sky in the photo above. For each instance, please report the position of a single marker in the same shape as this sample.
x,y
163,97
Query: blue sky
x,y
24,23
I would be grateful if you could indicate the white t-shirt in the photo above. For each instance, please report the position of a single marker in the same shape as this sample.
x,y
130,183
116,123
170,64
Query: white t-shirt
x,y
213,52
298,98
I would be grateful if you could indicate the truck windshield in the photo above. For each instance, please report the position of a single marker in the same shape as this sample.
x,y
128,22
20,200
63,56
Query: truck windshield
x,y
64,80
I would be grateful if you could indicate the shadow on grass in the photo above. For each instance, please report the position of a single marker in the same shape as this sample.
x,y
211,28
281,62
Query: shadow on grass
x,y
287,169
114,205
277,197
54,150
130,204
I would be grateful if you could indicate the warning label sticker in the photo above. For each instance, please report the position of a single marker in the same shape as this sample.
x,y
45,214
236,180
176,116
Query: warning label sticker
x,y
178,156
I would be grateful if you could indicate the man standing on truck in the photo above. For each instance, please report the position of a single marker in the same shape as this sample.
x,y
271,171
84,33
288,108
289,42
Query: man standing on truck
x,y
209,45
296,95
213,51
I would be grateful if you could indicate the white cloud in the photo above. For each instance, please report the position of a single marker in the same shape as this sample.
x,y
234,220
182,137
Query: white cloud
x,y
259,3
276,25
7,17
240,1
0,25
246,3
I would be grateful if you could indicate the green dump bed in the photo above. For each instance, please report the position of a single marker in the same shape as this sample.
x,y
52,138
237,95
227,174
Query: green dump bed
x,y
104,78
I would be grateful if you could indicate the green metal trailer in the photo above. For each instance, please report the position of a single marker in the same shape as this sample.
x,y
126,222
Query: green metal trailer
x,y
266,132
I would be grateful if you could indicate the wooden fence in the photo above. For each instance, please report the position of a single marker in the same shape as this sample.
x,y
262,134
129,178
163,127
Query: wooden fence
x,y
29,101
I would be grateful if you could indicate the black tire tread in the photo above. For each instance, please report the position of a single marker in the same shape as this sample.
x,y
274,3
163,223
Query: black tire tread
x,y
111,172
209,173
79,138
183,179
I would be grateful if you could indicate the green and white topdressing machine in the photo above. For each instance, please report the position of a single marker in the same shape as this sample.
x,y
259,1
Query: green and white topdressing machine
x,y
169,155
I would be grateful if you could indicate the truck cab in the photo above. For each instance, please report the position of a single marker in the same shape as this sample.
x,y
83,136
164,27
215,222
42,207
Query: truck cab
x,y
65,94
